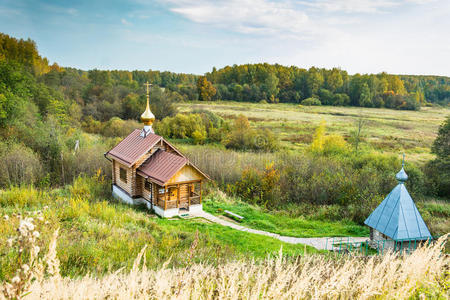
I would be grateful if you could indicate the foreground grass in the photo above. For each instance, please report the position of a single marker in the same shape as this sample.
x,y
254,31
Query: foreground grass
x,y
385,130
422,274
282,223
97,235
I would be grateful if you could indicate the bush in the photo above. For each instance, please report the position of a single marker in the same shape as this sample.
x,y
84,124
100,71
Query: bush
x,y
117,127
262,187
341,99
20,165
334,144
92,188
311,102
21,197
242,137
199,136
199,126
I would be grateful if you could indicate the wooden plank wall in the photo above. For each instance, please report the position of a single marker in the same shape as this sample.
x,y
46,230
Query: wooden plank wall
x,y
126,186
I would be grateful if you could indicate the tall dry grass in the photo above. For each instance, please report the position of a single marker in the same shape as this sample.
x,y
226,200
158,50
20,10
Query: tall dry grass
x,y
424,273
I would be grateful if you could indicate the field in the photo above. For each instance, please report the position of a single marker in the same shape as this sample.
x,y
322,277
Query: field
x,y
385,130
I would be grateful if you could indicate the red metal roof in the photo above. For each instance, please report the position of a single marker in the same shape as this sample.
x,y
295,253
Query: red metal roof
x,y
131,148
162,165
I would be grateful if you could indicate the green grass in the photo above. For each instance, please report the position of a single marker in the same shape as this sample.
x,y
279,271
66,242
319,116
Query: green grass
x,y
385,130
98,235
284,224
436,214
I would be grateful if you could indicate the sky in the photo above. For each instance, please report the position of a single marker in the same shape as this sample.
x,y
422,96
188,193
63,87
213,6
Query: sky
x,y
193,36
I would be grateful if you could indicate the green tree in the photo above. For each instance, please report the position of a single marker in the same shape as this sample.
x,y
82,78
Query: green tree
x,y
366,96
441,145
438,170
314,81
334,80
132,106
270,86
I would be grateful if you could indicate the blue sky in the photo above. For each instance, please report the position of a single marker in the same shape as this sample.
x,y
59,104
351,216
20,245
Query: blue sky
x,y
192,36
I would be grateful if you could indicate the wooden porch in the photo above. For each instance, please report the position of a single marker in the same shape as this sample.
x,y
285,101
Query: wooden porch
x,y
179,195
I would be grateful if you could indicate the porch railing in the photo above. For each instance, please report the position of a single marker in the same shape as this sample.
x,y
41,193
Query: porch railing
x,y
166,203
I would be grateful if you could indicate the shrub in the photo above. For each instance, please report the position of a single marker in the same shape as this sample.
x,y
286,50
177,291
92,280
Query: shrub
x,y
199,136
117,127
260,186
93,188
242,137
20,197
334,144
327,145
311,102
20,165
198,126
341,99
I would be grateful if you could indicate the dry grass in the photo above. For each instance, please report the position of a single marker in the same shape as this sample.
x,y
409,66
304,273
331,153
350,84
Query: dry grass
x,y
424,273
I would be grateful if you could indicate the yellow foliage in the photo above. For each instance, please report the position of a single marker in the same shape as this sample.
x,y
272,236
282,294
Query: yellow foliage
x,y
319,137
334,143
327,144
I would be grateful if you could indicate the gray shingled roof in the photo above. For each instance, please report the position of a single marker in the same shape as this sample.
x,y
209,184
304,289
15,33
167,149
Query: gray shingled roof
x,y
397,216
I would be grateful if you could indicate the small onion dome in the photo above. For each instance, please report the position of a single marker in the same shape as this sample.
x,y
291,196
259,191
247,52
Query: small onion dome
x,y
147,117
401,176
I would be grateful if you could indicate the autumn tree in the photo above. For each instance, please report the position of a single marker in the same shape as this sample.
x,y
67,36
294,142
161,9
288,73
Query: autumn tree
x,y
205,89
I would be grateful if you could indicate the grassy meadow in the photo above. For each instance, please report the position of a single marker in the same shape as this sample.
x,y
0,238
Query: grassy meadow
x,y
97,234
384,130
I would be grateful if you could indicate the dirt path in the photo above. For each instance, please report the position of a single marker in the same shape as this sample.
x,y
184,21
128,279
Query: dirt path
x,y
318,243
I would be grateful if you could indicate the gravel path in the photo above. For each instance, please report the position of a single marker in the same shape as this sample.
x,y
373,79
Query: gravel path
x,y
318,243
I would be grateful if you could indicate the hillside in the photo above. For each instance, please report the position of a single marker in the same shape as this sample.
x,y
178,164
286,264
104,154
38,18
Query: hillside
x,y
97,234
297,169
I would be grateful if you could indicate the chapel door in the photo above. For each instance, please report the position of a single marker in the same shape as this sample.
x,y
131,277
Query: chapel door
x,y
173,193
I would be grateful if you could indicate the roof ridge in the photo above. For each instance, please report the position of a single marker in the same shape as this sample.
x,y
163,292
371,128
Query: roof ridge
x,y
403,217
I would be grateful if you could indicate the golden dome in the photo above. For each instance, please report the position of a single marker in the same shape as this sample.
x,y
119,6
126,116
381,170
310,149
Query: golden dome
x,y
147,117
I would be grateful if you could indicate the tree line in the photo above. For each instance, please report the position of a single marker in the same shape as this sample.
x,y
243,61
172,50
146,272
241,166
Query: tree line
x,y
277,83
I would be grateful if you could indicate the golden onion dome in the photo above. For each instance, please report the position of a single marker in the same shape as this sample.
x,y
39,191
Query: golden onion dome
x,y
147,117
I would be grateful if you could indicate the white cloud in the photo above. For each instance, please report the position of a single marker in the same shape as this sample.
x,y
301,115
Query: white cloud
x,y
244,16
359,6
352,6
